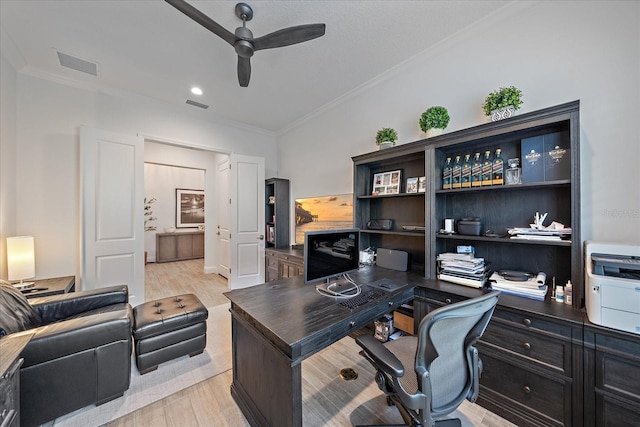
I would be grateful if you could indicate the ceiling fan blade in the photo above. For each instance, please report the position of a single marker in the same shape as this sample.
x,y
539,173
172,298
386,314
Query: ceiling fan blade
x,y
203,20
244,71
289,36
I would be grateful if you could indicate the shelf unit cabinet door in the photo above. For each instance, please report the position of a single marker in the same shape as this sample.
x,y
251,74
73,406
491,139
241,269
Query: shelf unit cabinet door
x,y
185,246
612,372
198,245
166,248
291,269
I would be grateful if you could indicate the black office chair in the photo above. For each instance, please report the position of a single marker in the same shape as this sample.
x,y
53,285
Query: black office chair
x,y
447,365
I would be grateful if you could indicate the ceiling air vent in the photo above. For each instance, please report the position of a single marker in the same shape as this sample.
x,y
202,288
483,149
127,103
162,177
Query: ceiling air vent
x,y
78,64
197,104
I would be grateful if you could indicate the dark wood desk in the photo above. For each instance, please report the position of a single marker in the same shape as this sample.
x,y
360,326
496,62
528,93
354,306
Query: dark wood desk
x,y
10,362
275,326
58,285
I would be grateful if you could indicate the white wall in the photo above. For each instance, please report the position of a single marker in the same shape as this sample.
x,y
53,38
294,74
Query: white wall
x,y
173,167
160,183
554,51
8,84
48,118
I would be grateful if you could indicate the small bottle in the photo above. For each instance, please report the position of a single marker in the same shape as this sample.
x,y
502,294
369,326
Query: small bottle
x,y
487,169
559,294
568,293
476,171
456,174
446,175
465,175
497,175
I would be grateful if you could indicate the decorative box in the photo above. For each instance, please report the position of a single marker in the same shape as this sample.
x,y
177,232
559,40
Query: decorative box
x,y
532,161
557,156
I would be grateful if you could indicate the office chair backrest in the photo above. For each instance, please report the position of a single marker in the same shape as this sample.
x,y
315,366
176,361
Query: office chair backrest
x,y
444,353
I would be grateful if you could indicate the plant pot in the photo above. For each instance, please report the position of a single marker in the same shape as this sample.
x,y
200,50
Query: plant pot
x,y
386,144
503,113
434,132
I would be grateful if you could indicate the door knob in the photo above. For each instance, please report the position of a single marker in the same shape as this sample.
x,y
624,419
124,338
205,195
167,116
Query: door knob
x,y
261,237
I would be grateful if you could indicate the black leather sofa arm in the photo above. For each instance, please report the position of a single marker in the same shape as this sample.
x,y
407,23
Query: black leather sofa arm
x,y
58,307
64,338
386,361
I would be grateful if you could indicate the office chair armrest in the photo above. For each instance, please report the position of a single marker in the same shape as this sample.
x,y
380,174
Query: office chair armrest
x,y
476,370
381,356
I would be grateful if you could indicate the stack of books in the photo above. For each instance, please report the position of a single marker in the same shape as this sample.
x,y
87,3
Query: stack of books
x,y
462,269
540,234
528,286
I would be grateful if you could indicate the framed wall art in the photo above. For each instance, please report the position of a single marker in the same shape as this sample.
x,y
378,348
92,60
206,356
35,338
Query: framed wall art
x,y
386,183
189,208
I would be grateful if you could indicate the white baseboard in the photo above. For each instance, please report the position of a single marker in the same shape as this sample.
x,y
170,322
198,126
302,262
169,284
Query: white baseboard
x,y
210,270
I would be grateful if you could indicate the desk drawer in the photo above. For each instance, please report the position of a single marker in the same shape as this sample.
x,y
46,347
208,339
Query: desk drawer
x,y
547,352
528,322
548,399
272,262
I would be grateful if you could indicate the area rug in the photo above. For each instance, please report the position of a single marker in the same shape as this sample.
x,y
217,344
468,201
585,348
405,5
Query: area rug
x,y
169,378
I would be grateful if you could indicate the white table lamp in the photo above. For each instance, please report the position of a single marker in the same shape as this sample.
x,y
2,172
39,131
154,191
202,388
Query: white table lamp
x,y
21,262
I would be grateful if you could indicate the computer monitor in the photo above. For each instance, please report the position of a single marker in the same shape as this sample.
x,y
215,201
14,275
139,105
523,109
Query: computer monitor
x,y
330,254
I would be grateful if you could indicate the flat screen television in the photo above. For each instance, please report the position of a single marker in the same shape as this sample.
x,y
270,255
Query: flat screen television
x,y
330,254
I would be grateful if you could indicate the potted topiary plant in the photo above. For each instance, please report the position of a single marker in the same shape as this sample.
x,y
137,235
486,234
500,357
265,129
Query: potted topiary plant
x,y
434,120
386,137
502,103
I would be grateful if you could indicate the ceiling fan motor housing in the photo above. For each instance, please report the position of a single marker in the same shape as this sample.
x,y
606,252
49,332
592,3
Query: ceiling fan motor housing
x,y
244,47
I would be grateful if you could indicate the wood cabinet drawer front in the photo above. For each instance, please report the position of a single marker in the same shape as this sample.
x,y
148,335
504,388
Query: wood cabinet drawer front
x,y
532,322
613,413
617,365
618,375
548,352
536,392
272,262
440,299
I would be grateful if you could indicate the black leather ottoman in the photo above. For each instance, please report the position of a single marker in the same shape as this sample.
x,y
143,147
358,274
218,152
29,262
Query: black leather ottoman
x,y
168,328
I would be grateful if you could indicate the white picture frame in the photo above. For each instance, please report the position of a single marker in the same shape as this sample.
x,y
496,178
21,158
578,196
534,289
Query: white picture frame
x,y
422,184
386,183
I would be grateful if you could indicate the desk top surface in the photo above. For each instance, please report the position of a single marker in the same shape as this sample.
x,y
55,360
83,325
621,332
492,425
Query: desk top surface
x,y
300,321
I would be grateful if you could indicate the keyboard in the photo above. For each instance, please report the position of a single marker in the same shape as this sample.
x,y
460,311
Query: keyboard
x,y
367,294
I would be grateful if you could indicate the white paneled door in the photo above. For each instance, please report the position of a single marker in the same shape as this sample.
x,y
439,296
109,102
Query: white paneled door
x,y
112,205
223,231
247,221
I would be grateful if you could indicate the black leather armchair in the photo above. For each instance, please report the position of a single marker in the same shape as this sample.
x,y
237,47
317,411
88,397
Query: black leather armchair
x,y
79,353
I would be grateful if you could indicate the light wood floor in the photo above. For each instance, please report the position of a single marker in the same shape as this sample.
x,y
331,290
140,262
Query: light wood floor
x,y
327,399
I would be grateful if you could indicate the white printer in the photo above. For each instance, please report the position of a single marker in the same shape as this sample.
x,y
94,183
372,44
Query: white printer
x,y
612,285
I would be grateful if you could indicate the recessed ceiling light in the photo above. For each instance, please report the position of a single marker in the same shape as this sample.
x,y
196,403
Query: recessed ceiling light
x,y
196,90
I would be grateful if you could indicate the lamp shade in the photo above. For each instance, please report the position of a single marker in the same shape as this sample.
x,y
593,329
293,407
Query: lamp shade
x,y
21,262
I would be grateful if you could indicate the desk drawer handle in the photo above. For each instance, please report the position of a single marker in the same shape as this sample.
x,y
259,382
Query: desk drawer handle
x,y
448,300
527,322
527,389
526,346
352,324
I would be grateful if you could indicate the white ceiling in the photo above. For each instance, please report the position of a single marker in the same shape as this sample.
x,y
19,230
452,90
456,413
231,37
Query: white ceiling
x,y
149,48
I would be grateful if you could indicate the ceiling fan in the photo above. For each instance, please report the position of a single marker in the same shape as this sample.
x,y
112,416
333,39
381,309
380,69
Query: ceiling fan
x,y
243,40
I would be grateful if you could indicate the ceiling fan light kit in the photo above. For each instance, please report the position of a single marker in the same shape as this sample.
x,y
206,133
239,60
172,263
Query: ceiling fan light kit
x,y
243,41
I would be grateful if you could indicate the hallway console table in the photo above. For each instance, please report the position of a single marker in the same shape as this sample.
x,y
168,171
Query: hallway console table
x,y
180,245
